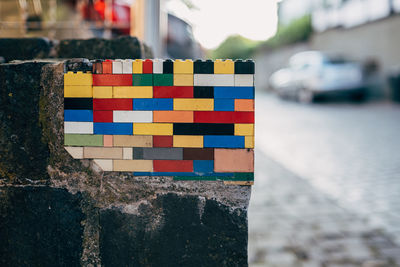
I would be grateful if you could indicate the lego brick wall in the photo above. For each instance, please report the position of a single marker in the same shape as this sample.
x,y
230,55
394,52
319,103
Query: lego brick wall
x,y
190,120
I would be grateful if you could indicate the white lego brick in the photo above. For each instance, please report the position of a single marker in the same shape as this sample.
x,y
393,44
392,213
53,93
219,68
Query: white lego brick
x,y
127,153
132,116
75,151
158,65
73,127
244,79
214,80
117,66
127,66
104,164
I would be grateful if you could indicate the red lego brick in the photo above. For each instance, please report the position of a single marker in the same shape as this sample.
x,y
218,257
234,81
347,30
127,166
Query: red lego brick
x,y
112,79
103,116
244,117
173,165
162,141
107,67
173,91
112,104
148,66
223,117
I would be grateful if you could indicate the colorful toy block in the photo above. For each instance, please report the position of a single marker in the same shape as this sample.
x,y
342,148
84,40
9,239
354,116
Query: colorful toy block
x,y
190,120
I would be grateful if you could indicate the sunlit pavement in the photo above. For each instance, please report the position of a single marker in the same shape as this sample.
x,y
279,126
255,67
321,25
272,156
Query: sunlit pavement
x,y
327,189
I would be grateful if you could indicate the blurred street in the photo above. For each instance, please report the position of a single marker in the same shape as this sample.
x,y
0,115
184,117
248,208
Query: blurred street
x,y
327,188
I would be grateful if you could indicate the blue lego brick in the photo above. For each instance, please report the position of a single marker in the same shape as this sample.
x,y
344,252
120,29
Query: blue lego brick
x,y
153,104
224,104
78,115
203,166
224,141
113,128
234,92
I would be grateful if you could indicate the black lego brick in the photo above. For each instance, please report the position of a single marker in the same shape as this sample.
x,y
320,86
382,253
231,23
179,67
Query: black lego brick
x,y
204,129
203,67
78,103
168,66
244,67
203,92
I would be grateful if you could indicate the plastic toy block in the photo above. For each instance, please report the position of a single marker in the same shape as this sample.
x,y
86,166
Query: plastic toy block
x,y
102,116
203,92
152,128
72,127
137,153
127,66
234,92
244,105
104,164
244,129
221,104
249,176
142,80
244,80
78,103
163,79
83,140
203,129
112,104
223,117
244,67
226,141
198,153
243,116
102,152
233,160
75,152
127,153
112,128
132,141
107,67
117,67
249,141
78,78
173,116
187,141
132,116
214,80
158,153
203,166
133,91
183,66
78,91
163,141
107,140
192,174
173,165
148,66
242,183
102,92
112,79
195,178
183,79
173,91
193,104
137,66
153,104
224,66
133,165
204,66
97,67
168,66
78,115
157,66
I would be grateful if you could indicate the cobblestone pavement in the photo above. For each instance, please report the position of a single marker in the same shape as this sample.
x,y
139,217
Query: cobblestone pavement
x,y
327,185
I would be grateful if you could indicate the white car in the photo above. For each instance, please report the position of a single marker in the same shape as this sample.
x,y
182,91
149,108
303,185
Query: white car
x,y
313,73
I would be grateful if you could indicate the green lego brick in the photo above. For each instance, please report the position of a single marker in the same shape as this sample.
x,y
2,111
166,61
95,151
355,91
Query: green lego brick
x,y
83,140
163,79
142,79
241,176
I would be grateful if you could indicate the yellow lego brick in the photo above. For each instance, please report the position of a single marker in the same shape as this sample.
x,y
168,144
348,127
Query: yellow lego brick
x,y
78,91
78,78
183,79
224,66
249,141
244,129
183,66
137,66
152,128
193,104
133,91
102,92
188,141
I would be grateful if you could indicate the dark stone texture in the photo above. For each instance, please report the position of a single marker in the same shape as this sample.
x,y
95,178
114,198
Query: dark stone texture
x,y
40,226
23,155
24,48
189,231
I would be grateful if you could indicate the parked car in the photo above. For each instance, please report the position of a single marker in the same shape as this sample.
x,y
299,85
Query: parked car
x,y
312,73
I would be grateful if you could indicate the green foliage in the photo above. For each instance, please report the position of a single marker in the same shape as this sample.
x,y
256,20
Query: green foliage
x,y
235,47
